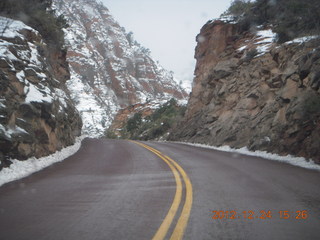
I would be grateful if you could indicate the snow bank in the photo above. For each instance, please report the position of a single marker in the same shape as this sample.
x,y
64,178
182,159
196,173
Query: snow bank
x,y
296,161
20,169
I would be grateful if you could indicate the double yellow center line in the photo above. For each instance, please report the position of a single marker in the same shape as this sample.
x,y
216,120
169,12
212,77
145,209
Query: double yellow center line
x,y
178,172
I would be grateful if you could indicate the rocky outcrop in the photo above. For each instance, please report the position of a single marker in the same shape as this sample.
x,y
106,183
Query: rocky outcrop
x,y
36,115
250,91
109,69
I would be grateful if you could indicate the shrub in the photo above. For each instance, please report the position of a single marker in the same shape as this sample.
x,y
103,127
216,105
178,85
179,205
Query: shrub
x,y
110,134
36,14
134,122
289,18
155,125
239,8
251,54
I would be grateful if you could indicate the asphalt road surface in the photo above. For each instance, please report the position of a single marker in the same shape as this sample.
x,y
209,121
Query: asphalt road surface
x,y
116,190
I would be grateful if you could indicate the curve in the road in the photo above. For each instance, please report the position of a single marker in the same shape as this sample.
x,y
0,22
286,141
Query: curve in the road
x,y
182,222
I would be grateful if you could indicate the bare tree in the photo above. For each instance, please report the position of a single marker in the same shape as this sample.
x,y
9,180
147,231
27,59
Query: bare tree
x,y
4,25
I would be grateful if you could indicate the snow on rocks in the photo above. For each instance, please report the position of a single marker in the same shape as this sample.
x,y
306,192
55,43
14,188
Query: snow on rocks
x,y
301,40
10,28
265,38
262,42
34,94
93,112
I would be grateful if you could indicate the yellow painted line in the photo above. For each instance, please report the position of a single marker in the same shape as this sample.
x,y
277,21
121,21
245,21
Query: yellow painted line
x,y
185,214
164,227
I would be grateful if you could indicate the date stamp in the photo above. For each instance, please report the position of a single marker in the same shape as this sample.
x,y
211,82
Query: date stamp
x,y
262,214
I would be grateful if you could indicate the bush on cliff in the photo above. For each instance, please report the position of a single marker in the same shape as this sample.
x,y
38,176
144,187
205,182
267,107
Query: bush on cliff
x,y
37,14
154,126
289,18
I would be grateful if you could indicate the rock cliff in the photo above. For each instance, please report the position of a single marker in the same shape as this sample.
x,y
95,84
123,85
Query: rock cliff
x,y
36,115
250,91
109,69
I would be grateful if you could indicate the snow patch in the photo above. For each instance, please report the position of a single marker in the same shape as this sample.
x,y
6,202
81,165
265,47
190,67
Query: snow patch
x,y
4,131
15,130
266,36
61,96
90,11
34,59
35,95
10,28
302,39
21,76
262,41
228,19
182,102
241,48
20,169
12,131
94,114
2,105
5,52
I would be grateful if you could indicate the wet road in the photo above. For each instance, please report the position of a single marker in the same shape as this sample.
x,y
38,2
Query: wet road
x,y
120,190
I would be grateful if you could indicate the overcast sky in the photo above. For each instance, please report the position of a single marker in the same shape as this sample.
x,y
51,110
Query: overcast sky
x,y
167,27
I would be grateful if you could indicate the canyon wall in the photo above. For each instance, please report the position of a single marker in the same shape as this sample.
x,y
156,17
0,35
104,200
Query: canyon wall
x,y
109,69
250,91
36,115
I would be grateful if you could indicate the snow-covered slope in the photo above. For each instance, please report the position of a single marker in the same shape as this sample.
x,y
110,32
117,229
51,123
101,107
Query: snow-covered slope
x,y
109,69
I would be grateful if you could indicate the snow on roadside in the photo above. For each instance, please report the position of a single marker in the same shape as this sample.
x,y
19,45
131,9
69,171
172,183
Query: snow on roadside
x,y
296,161
20,169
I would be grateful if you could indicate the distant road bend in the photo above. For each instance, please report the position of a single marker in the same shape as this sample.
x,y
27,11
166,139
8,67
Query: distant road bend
x,y
114,189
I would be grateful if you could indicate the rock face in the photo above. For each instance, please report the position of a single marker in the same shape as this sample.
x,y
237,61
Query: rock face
x,y
249,91
121,118
36,115
109,70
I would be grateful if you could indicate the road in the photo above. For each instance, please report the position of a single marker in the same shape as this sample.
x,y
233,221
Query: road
x,y
112,189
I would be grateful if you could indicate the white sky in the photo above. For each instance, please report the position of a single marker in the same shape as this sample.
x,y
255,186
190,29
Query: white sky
x,y
167,27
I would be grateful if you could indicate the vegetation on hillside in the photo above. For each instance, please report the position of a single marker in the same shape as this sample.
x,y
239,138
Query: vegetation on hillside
x,y
289,18
155,126
37,14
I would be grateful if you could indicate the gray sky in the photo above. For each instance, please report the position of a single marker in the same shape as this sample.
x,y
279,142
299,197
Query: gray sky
x,y
167,27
